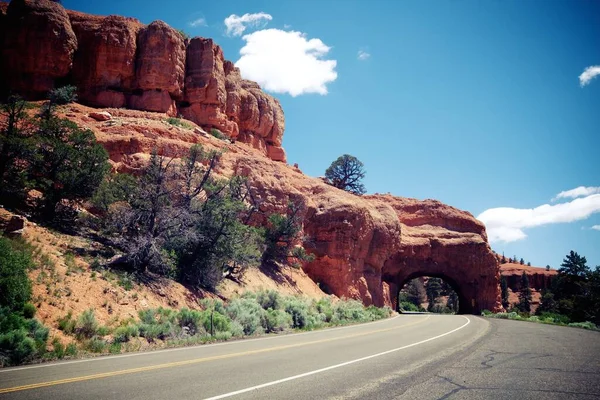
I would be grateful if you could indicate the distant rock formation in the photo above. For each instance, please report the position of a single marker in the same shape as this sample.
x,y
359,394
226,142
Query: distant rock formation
x,y
119,62
538,277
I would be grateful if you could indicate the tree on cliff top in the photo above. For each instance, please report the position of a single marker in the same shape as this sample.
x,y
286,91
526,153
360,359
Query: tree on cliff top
x,y
346,173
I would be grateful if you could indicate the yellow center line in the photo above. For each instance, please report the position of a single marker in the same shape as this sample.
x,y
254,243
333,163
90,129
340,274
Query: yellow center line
x,y
195,361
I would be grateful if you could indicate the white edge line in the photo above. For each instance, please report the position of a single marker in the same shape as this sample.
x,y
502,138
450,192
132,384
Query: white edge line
x,y
291,378
152,352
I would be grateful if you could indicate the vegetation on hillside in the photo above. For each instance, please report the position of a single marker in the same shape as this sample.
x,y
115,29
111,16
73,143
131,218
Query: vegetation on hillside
x,y
49,155
22,338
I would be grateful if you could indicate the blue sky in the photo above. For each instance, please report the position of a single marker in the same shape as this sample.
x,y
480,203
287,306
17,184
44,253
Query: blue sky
x,y
475,103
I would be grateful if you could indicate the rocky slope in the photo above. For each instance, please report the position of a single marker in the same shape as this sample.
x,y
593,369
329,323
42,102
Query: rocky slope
x,y
66,283
119,62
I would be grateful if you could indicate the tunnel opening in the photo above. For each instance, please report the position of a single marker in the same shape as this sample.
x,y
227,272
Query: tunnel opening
x,y
425,293
474,287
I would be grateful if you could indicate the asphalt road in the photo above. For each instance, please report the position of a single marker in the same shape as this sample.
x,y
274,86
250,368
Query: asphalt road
x,y
409,356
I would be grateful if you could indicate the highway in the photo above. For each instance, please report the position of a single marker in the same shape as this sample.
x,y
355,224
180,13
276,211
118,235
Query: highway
x,y
408,356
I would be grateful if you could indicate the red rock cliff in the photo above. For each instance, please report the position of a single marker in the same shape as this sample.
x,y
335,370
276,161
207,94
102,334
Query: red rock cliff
x,y
365,247
119,62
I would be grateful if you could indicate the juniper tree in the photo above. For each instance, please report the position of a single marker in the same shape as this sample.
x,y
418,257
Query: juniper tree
x,y
347,173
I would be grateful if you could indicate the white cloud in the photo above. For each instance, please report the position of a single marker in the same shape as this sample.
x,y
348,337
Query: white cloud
x,y
580,191
596,227
363,55
236,25
286,26
198,22
589,74
506,224
286,62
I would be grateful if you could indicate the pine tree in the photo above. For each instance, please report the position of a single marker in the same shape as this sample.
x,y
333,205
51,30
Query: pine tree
x,y
433,289
452,302
547,303
415,291
504,291
522,262
524,295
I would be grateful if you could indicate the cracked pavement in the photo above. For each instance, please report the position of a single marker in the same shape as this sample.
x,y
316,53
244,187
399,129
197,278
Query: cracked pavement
x,y
520,360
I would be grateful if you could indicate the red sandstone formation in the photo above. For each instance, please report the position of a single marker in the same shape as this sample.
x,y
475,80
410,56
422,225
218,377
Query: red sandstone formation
x,y
119,62
38,46
538,277
366,247
440,240
104,65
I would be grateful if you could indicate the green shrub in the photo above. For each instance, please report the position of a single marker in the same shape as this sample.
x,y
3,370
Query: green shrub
x,y
115,348
213,304
223,335
325,307
190,319
95,345
29,310
156,331
376,313
124,333
16,347
63,95
350,311
15,287
86,325
554,318
21,339
147,316
298,309
584,325
66,323
178,122
236,329
408,306
103,330
220,322
248,313
58,348
166,315
277,320
125,281
71,350
218,134
269,299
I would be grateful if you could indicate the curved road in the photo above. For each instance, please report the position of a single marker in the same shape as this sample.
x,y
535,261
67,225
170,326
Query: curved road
x,y
409,356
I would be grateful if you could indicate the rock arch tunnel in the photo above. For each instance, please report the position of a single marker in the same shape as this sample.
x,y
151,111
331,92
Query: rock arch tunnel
x,y
477,287
466,302
368,248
